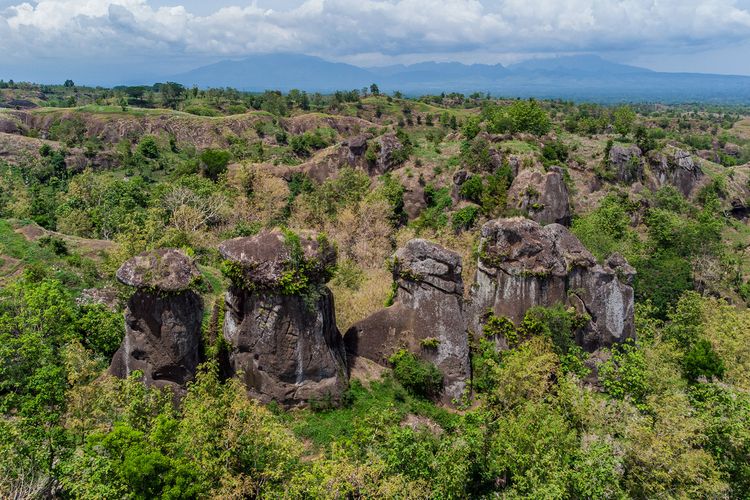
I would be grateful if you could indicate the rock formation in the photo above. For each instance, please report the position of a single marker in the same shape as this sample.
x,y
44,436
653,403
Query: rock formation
x,y
387,146
279,321
523,264
427,316
675,167
626,162
162,319
543,196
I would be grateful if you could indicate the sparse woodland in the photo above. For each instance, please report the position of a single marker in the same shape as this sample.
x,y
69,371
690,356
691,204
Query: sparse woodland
x,y
91,177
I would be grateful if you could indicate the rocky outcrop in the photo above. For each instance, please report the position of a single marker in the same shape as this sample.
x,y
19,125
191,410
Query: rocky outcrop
x,y
162,319
523,264
9,126
387,147
626,162
543,196
675,167
427,316
279,321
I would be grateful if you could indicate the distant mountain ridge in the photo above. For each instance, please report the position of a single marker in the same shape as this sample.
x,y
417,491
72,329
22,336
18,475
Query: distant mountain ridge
x,y
583,78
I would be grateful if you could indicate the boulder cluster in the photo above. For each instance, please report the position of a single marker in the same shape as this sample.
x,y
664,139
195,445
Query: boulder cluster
x,y
672,166
279,321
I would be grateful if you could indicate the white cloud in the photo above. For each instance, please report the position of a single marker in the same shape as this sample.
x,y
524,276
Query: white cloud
x,y
347,29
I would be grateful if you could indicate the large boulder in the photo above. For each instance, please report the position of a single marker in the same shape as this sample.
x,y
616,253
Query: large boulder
x,y
162,319
543,196
626,162
387,156
280,322
523,264
675,167
426,317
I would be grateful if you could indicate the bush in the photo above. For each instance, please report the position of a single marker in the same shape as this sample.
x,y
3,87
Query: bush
x,y
214,162
472,189
555,153
465,218
419,377
56,244
702,361
148,147
624,374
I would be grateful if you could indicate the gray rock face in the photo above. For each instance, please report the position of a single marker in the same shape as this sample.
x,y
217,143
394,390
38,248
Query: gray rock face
x,y
388,145
523,264
677,168
428,308
162,319
284,343
543,196
262,259
167,270
8,127
627,163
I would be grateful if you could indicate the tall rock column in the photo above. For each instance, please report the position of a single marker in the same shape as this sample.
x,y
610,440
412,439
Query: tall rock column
x,y
426,317
162,319
280,322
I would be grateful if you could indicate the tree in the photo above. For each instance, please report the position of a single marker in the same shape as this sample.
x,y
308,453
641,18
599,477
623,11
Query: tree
x,y
623,118
521,116
69,84
374,90
214,162
172,94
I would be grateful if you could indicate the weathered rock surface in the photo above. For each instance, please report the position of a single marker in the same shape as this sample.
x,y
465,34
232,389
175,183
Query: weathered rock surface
x,y
166,270
162,319
428,305
386,160
523,264
675,167
544,196
627,163
283,342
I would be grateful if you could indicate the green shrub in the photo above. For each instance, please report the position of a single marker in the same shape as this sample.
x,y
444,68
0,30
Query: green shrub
x,y
555,153
624,374
419,377
56,244
702,361
500,326
465,218
148,147
472,189
214,162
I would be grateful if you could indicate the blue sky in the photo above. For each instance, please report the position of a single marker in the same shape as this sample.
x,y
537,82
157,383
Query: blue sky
x,y
46,40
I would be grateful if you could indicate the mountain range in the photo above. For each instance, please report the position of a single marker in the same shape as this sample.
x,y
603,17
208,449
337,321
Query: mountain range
x,y
580,78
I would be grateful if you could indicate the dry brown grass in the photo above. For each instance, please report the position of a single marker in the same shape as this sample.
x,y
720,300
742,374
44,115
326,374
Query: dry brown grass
x,y
356,305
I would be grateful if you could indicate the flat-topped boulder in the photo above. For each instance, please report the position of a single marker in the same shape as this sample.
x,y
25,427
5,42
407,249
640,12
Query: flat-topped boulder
x,y
165,270
523,264
280,322
542,195
162,319
426,317
264,260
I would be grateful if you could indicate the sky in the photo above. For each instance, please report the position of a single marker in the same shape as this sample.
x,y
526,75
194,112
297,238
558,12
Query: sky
x,y
111,41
